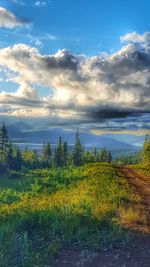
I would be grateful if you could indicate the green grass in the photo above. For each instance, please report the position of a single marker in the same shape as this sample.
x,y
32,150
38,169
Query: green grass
x,y
43,211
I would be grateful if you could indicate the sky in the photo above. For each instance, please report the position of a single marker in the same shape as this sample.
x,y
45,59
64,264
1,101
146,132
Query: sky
x,y
66,63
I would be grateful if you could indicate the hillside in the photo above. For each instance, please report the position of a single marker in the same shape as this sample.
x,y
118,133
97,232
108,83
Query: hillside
x,y
44,211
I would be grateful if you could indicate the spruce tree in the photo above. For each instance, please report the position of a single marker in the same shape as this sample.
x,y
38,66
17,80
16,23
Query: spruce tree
x,y
109,157
59,154
10,157
35,156
146,150
46,154
18,159
104,155
65,152
95,154
3,143
77,151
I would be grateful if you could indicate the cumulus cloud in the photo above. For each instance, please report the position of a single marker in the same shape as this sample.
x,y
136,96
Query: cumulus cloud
x,y
136,38
9,20
85,89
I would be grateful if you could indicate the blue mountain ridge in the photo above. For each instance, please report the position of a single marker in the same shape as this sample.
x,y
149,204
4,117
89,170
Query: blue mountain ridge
x,y
23,133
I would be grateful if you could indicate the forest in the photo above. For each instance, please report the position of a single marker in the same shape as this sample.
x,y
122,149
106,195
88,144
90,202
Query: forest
x,y
12,158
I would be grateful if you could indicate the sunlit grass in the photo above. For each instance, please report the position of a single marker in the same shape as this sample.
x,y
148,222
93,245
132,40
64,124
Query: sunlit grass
x,y
44,210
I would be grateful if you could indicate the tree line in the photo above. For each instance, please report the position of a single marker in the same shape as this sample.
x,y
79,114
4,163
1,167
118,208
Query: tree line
x,y
12,158
142,156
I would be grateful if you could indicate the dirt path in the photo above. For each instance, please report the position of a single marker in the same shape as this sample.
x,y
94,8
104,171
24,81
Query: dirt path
x,y
141,184
137,254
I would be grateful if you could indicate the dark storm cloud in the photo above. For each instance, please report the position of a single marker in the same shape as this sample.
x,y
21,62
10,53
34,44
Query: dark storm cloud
x,y
109,113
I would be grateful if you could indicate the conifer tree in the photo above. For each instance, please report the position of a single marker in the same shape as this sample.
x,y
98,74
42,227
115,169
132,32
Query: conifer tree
x,y
3,143
18,159
65,152
35,159
59,154
95,154
10,157
104,155
46,154
77,151
109,157
146,150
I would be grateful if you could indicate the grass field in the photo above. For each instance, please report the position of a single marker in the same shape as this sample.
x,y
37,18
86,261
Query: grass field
x,y
45,210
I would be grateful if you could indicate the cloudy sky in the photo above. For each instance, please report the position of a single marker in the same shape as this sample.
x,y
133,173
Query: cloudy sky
x,y
66,63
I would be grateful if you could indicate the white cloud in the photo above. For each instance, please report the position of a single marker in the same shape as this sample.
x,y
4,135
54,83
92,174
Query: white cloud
x,y
142,40
38,41
84,89
9,20
51,37
40,3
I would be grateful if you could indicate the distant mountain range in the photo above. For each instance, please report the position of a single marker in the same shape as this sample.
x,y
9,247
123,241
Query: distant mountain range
x,y
20,125
20,132
134,140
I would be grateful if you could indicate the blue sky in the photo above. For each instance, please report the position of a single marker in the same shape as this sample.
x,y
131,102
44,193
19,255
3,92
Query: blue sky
x,y
83,53
81,26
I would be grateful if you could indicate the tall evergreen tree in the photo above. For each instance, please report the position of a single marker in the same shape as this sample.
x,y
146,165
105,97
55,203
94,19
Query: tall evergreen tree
x,y
59,154
146,150
65,152
35,160
46,155
3,143
109,157
95,154
77,151
18,159
104,155
10,156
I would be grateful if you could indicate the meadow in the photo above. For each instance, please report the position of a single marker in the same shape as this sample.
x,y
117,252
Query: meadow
x,y
42,211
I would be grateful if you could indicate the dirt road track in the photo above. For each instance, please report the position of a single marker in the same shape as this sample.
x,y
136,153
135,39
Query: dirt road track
x,y
141,184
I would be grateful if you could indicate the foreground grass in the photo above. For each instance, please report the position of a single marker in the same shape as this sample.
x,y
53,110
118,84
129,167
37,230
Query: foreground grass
x,y
44,210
